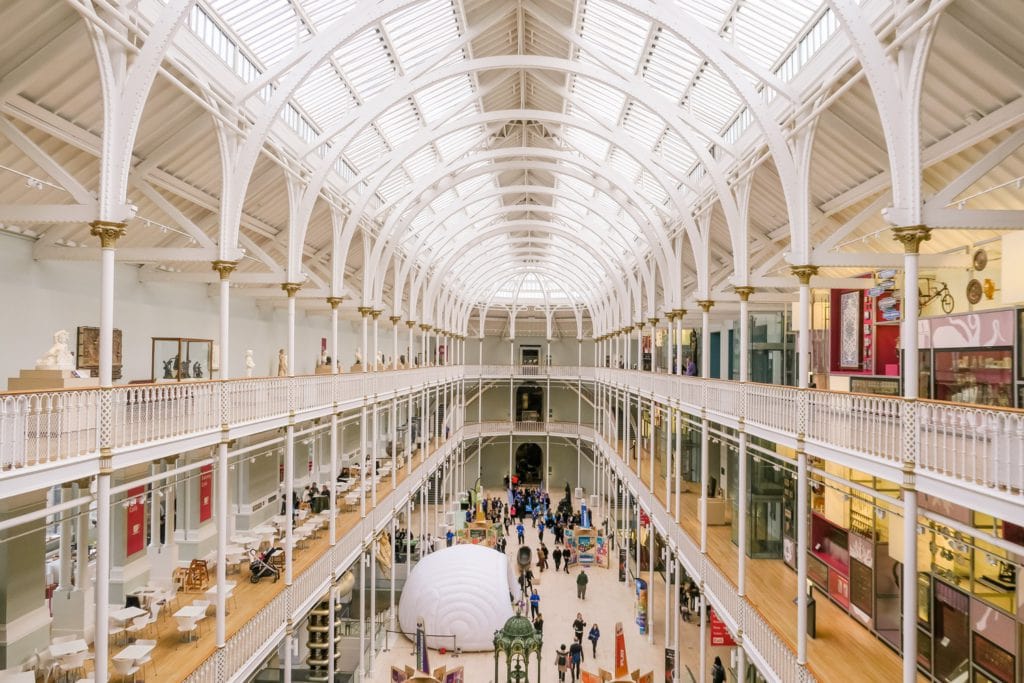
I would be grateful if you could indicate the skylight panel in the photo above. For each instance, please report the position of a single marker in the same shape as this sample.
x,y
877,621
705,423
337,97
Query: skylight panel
x,y
366,148
399,124
366,63
624,165
454,145
590,145
713,99
602,102
324,96
764,29
677,154
709,13
445,98
651,189
421,31
444,201
615,31
269,28
322,12
421,163
670,64
642,124
393,186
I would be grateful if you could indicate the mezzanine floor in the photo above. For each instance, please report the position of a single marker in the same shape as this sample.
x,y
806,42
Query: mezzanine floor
x,y
174,659
771,586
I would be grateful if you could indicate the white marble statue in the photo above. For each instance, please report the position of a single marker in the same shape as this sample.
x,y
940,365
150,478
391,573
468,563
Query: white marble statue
x,y
58,357
359,356
282,363
250,363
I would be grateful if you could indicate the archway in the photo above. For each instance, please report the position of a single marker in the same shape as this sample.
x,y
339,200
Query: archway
x,y
529,463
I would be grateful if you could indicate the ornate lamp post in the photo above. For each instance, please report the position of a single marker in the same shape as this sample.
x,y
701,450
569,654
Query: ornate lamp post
x,y
518,640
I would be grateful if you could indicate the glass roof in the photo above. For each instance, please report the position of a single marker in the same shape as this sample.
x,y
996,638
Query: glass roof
x,y
542,174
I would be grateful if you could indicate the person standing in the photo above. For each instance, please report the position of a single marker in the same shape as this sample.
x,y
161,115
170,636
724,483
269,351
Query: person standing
x,y
558,558
581,584
594,634
717,671
540,531
534,603
575,659
528,574
538,624
577,627
521,533
449,538
562,662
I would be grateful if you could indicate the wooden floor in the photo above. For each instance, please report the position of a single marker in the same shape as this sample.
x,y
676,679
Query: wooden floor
x,y
841,642
174,659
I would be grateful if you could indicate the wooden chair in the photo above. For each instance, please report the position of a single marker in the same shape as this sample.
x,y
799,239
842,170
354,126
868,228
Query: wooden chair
x,y
197,575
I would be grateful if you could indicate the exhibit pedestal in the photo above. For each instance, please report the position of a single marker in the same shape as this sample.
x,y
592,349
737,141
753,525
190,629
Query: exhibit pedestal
x,y
42,380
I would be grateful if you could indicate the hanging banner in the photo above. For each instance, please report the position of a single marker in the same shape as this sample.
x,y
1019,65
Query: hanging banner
x,y
135,518
670,664
719,633
641,605
621,665
205,492
622,565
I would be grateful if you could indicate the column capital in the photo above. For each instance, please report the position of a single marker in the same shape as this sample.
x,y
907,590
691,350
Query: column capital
x,y
804,273
911,237
410,323
364,310
705,305
375,313
334,302
743,292
654,321
291,288
224,268
639,326
679,313
425,327
395,319
109,232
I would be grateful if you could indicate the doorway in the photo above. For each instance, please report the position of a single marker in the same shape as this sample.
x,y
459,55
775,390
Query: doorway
x,y
529,463
530,403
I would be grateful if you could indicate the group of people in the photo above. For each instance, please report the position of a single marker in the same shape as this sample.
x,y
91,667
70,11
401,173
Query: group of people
x,y
570,659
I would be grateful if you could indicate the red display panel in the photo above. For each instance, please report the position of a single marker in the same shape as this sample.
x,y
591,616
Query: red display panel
x,y
135,519
205,492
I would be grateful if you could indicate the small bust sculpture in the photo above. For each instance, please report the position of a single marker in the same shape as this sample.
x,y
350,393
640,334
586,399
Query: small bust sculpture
x,y
249,363
359,356
282,363
58,357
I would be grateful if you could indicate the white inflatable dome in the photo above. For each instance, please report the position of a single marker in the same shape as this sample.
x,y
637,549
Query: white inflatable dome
x,y
462,591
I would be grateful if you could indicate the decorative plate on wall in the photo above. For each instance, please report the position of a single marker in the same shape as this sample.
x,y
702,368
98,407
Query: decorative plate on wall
x,y
980,259
974,291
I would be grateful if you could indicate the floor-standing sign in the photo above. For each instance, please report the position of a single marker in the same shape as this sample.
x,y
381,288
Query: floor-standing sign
x,y
622,565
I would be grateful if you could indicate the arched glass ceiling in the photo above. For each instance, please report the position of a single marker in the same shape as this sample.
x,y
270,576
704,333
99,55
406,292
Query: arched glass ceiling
x,y
629,105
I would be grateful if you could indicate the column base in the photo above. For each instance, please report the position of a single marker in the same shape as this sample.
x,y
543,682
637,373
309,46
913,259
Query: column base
x,y
22,637
74,613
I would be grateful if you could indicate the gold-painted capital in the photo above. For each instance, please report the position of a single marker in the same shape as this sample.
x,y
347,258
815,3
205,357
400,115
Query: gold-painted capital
x,y
376,313
109,232
334,302
639,326
705,305
743,292
911,237
654,321
679,313
425,327
364,311
804,273
395,319
410,323
291,288
224,268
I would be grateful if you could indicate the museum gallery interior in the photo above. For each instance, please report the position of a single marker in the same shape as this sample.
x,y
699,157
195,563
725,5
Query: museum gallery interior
x,y
487,341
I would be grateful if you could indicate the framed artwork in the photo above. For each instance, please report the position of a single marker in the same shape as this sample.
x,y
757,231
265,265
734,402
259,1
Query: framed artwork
x,y
849,330
88,351
179,358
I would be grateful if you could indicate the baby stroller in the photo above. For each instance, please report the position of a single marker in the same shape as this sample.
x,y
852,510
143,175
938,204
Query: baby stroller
x,y
261,565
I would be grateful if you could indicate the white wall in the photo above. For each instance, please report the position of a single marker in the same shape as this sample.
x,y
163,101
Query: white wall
x,y
41,297
563,351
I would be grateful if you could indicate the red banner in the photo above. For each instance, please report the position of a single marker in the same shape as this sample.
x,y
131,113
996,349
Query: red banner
x,y
135,517
719,634
621,665
205,492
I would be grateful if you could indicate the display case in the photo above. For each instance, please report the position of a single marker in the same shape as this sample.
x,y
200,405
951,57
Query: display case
x,y
982,376
969,358
180,358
